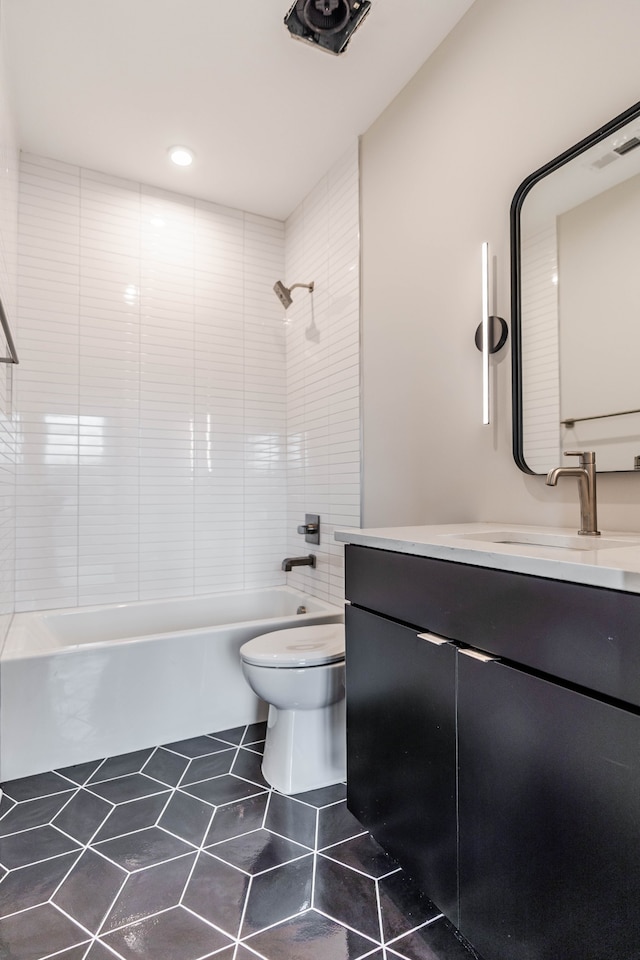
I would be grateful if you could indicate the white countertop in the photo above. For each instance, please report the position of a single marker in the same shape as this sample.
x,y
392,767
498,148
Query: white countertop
x,y
611,560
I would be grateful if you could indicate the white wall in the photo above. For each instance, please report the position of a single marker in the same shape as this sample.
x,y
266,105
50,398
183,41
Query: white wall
x,y
151,393
160,438
513,85
8,245
323,381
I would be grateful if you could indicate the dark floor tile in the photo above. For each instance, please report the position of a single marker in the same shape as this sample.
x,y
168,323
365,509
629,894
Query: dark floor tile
x,y
233,736
436,941
197,746
122,765
364,854
34,845
225,789
187,817
216,892
204,768
98,951
40,785
294,820
82,816
142,849
236,818
89,890
33,813
79,953
255,733
38,933
335,823
310,937
176,934
150,891
278,894
32,885
130,787
249,766
166,767
244,953
80,772
258,851
347,896
6,804
403,906
323,796
133,815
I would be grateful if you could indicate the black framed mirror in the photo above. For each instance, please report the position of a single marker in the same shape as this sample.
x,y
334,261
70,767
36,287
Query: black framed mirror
x,y
575,303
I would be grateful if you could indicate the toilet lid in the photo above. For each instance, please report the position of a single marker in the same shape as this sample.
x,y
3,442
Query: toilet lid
x,y
298,647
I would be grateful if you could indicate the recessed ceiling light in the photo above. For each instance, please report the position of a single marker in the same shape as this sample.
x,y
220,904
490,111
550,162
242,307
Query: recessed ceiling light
x,y
181,156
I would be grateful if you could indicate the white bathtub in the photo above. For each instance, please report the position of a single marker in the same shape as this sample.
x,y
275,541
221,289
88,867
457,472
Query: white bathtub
x,y
82,684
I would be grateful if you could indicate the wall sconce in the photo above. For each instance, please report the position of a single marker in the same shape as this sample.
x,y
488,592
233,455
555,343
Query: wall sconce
x,y
491,334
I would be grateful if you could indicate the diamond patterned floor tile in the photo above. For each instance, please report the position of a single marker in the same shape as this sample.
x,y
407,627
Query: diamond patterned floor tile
x,y
165,854
176,933
278,894
34,884
216,892
310,937
132,815
197,746
292,819
40,843
258,851
364,854
222,790
237,818
82,815
37,933
33,813
402,906
150,891
42,784
213,765
348,897
435,941
167,767
134,851
131,787
89,890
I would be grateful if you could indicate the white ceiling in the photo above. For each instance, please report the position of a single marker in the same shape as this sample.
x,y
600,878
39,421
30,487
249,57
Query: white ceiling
x,y
112,84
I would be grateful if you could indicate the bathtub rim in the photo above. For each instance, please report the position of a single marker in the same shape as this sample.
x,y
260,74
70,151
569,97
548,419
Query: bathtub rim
x,y
30,625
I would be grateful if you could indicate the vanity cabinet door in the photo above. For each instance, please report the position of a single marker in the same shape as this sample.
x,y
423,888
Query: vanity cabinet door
x,y
401,750
549,819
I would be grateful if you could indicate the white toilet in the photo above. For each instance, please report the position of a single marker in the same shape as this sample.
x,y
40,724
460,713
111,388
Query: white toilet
x,y
300,674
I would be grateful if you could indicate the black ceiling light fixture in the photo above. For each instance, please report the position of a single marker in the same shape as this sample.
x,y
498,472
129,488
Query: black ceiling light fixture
x,y
329,24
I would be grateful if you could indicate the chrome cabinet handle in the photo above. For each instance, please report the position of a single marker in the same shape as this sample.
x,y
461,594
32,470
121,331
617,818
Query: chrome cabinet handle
x,y
476,655
433,638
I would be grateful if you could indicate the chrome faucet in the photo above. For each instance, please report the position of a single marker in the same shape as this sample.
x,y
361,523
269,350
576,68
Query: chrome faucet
x,y
586,474
290,562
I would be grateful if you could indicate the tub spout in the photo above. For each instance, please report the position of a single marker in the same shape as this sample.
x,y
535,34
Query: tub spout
x,y
290,562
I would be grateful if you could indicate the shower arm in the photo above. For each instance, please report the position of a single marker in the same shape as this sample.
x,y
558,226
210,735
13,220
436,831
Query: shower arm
x,y
307,286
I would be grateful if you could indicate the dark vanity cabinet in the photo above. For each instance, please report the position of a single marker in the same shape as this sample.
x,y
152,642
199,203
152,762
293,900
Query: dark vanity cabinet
x,y
493,730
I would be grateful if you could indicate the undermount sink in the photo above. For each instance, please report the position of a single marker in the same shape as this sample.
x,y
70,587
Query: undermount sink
x,y
558,540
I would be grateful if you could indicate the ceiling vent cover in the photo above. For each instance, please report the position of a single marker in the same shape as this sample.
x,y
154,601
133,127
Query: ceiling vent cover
x,y
329,24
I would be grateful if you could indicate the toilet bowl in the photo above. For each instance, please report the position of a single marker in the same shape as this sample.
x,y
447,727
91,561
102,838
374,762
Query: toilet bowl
x,y
300,674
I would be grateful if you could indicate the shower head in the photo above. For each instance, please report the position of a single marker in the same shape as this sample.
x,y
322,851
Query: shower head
x,y
284,293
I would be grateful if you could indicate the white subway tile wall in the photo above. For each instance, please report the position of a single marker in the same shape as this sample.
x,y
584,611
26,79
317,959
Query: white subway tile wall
x,y
323,378
154,443
152,393
8,271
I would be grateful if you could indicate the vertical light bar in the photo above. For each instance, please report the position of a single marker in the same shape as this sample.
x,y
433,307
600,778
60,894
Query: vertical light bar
x,y
485,333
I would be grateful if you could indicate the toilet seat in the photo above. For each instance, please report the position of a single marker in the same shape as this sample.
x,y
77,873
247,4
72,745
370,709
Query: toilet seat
x,y
310,646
